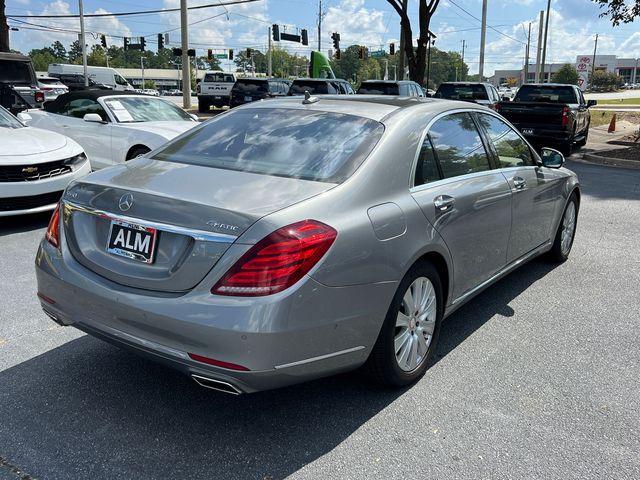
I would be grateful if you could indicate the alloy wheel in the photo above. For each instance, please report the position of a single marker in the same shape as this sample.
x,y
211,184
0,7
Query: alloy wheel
x,y
568,228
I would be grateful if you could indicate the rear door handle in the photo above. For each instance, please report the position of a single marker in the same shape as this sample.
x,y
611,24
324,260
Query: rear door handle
x,y
519,182
444,203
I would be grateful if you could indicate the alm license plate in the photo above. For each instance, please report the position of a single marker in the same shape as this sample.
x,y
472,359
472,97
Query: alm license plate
x,y
132,241
527,131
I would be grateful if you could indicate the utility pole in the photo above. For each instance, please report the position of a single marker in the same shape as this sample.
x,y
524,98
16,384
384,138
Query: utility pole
x,y
83,43
539,48
483,34
526,57
4,30
186,73
403,40
142,68
593,61
269,54
544,45
462,76
319,26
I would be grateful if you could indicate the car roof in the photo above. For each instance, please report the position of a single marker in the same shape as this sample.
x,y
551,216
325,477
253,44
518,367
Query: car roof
x,y
319,80
466,83
374,107
388,81
56,104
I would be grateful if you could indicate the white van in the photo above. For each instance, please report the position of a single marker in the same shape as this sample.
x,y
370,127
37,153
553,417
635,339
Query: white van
x,y
105,75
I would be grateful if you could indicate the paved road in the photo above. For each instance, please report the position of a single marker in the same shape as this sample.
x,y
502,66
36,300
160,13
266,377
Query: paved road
x,y
535,378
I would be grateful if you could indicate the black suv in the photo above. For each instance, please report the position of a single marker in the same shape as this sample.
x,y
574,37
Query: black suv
x,y
403,88
321,86
18,84
478,92
76,82
247,90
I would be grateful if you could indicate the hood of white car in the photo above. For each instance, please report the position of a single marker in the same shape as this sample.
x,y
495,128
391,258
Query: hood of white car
x,y
21,142
168,130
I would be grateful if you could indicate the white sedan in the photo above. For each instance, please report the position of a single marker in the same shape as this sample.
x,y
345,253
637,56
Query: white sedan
x,y
112,127
35,166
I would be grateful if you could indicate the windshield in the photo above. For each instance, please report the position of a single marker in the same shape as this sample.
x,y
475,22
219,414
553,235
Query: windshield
x,y
298,88
462,92
219,77
8,121
145,109
250,87
317,146
547,94
14,71
379,88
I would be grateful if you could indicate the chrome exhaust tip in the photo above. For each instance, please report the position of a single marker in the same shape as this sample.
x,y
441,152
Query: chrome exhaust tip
x,y
218,385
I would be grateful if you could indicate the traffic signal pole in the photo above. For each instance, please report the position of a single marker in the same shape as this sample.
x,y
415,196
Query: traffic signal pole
x,y
186,71
269,54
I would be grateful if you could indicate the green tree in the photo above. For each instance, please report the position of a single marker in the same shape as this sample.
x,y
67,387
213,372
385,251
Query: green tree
x,y
96,57
620,11
58,50
567,74
75,53
150,84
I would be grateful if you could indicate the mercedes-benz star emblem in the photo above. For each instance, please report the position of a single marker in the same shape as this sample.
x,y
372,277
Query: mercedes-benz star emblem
x,y
126,201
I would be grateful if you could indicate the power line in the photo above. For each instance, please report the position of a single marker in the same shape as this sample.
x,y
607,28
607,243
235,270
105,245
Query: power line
x,y
488,26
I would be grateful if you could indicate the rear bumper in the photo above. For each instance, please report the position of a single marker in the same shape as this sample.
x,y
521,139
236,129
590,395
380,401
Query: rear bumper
x,y
542,133
215,100
306,332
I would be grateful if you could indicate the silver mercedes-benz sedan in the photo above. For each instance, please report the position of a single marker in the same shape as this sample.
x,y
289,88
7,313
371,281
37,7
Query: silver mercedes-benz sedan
x,y
293,239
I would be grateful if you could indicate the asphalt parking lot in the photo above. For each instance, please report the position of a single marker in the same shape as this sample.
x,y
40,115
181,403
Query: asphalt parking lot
x,y
538,377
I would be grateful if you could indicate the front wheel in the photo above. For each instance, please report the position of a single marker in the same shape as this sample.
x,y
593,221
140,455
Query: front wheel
x,y
410,331
566,231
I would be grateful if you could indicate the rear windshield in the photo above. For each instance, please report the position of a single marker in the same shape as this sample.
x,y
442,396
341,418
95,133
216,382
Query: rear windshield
x,y
548,94
319,146
251,87
14,71
49,81
219,77
379,88
298,88
462,92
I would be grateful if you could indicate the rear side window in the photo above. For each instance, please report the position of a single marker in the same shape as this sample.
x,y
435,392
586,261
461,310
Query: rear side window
x,y
512,150
458,145
251,87
462,92
319,146
298,88
426,168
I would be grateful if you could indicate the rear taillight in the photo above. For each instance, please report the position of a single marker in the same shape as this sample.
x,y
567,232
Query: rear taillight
x,y
53,230
39,96
565,116
277,261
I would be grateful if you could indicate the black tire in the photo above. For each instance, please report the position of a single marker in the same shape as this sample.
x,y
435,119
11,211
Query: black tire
x,y
136,152
203,107
557,254
382,364
567,147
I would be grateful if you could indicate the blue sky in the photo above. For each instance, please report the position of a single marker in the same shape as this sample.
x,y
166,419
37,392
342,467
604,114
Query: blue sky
x,y
374,23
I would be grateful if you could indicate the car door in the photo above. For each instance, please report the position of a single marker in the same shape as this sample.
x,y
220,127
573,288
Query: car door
x,y
466,201
94,137
535,189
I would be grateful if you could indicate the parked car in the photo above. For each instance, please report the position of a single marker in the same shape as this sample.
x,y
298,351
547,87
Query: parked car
x,y
404,88
477,92
18,85
100,75
550,114
296,238
214,90
150,91
52,88
506,93
112,127
35,166
76,82
247,90
321,86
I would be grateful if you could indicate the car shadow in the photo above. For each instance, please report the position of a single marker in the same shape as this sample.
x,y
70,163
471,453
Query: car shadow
x,y
23,223
89,407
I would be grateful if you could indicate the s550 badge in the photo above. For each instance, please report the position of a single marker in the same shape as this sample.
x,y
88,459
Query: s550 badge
x,y
222,226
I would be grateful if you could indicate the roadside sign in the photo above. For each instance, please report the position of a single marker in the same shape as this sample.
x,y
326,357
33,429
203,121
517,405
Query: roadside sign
x,y
221,55
377,53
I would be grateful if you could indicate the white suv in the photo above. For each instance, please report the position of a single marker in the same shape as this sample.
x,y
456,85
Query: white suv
x,y
214,90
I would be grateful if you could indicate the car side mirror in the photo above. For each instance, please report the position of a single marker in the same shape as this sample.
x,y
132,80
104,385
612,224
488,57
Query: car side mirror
x,y
23,117
194,116
93,117
552,158
591,103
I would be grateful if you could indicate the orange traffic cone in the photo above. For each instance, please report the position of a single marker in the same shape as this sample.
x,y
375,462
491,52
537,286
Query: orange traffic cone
x,y
612,125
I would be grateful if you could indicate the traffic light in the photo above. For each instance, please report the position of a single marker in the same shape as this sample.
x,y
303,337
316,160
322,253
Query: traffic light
x,y
191,52
275,32
392,48
248,53
177,52
336,55
160,41
336,40
361,53
103,41
209,54
231,54
305,36
143,43
126,43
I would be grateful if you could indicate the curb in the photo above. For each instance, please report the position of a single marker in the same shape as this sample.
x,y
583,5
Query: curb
x,y
609,161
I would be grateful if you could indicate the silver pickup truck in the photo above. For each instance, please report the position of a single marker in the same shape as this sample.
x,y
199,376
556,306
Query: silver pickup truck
x,y
18,85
